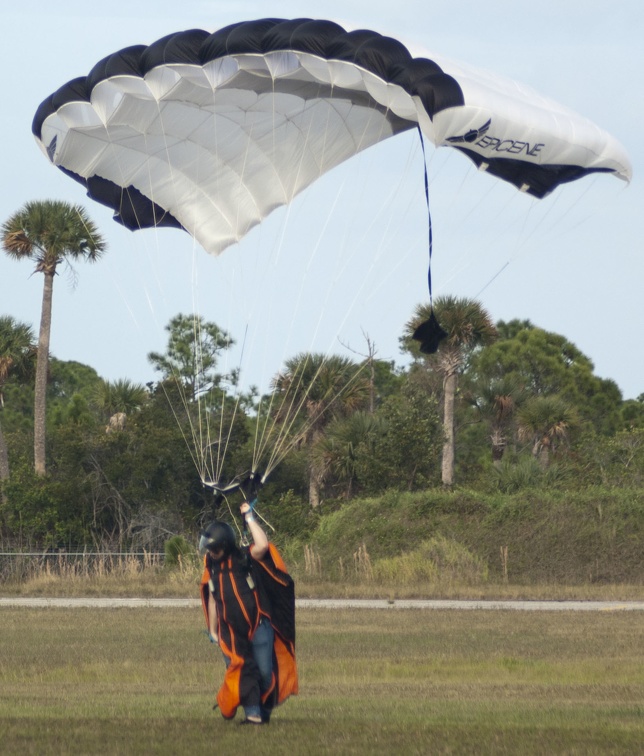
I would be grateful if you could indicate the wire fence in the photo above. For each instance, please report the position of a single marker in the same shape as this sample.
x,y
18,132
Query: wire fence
x,y
23,565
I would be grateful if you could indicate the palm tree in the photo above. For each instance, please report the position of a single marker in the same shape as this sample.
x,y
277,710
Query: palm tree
x,y
312,390
17,348
545,422
118,399
467,326
497,400
47,233
338,451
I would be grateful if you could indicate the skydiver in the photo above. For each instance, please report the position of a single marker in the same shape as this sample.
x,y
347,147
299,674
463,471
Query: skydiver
x,y
248,599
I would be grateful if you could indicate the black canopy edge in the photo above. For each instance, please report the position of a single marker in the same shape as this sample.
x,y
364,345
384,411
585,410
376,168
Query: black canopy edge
x,y
383,56
536,180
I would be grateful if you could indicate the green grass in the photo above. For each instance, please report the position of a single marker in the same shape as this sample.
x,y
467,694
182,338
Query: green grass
x,y
142,681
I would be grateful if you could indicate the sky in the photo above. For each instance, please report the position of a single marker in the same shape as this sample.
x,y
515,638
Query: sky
x,y
345,264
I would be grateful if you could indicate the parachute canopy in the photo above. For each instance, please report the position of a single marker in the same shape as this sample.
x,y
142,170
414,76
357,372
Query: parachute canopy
x,y
211,132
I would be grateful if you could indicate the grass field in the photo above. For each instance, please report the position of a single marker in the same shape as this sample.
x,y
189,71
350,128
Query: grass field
x,y
142,681
130,577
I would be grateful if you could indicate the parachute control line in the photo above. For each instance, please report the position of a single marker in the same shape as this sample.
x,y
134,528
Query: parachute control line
x,y
248,484
429,333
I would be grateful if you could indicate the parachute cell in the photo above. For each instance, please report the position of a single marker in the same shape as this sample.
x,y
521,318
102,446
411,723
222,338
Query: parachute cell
x,y
211,132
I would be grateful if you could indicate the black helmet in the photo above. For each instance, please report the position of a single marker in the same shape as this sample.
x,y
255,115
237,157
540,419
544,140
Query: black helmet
x,y
218,535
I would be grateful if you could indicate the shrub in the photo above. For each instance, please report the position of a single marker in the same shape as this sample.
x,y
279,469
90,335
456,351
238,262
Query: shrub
x,y
179,552
437,560
527,472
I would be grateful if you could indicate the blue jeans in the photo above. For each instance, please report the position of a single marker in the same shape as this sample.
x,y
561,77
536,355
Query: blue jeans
x,y
263,654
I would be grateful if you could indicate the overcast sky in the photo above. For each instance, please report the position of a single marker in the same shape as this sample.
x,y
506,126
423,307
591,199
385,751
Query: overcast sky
x,y
348,257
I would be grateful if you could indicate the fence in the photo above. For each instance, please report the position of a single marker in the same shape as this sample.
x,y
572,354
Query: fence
x,y
22,565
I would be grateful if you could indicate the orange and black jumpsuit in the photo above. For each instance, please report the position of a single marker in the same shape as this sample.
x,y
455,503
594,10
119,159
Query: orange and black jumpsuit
x,y
246,591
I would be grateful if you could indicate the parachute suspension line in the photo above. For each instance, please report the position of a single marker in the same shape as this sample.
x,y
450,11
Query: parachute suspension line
x,y
429,333
284,442
377,213
191,447
282,445
578,202
283,431
222,451
524,235
196,442
207,463
264,428
208,432
198,459
202,444
280,452
205,442
196,448
287,442
264,520
235,519
265,432
521,242
211,466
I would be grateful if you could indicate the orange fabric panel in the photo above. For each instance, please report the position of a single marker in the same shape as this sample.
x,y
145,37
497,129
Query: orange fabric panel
x,y
277,558
288,680
228,695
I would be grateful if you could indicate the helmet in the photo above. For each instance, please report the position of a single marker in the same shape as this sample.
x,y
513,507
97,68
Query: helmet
x,y
218,535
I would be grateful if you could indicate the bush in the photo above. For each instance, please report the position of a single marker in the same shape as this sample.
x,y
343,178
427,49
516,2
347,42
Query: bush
x,y
527,472
439,560
289,516
545,535
179,552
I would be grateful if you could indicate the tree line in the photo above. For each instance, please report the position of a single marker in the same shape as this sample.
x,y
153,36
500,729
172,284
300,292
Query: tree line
x,y
499,406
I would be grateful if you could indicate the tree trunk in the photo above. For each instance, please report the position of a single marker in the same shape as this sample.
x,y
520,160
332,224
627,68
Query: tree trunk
x,y
498,446
447,466
4,459
316,476
314,490
42,366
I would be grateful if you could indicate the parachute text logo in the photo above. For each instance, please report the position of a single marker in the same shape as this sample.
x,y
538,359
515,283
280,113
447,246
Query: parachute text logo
x,y
512,146
480,138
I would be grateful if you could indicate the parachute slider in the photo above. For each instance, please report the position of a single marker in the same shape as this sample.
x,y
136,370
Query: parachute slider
x,y
247,483
216,486
430,334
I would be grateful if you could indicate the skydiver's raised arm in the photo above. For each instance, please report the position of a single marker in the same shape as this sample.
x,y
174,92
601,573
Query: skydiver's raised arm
x,y
259,548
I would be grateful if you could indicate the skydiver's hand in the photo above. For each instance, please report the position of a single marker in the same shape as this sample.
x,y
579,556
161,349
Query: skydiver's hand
x,y
245,508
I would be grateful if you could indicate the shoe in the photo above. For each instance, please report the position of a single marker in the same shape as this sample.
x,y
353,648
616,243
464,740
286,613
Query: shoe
x,y
250,722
